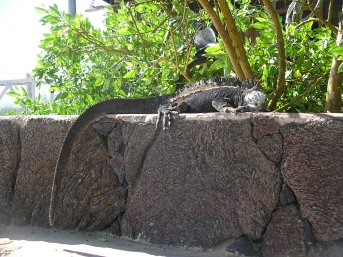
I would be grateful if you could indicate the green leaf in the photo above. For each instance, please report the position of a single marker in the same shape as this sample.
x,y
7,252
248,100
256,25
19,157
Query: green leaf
x,y
227,68
54,9
54,88
13,94
130,74
89,98
106,85
340,68
24,92
99,81
122,31
261,25
19,101
337,50
214,50
218,64
41,10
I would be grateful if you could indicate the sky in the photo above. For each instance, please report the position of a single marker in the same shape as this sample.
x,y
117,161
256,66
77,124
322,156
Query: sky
x,y
21,32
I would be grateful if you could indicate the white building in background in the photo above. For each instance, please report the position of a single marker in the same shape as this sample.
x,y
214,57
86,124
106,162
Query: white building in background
x,y
13,85
10,85
29,84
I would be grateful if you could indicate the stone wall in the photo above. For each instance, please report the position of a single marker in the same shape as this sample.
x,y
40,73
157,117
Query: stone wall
x,y
266,184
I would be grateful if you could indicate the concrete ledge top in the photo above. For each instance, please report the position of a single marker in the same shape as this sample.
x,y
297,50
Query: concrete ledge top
x,y
282,118
285,117
274,114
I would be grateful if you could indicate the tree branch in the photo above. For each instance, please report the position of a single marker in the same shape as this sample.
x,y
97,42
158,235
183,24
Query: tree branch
x,y
225,37
236,39
330,11
334,91
307,91
281,82
320,19
324,22
176,64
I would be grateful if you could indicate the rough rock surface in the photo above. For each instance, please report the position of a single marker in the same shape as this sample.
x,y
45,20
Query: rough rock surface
x,y
41,140
92,197
271,145
9,159
285,234
219,186
312,167
264,125
213,177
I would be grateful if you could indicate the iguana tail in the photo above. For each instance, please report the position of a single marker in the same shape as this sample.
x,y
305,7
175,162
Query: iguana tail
x,y
89,116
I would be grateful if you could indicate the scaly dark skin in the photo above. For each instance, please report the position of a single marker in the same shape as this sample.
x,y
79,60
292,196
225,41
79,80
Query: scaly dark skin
x,y
225,95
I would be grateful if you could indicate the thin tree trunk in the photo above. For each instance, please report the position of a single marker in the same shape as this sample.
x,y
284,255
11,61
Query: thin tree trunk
x,y
333,95
223,33
237,41
281,81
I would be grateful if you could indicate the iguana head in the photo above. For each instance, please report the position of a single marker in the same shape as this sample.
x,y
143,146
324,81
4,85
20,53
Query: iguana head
x,y
255,99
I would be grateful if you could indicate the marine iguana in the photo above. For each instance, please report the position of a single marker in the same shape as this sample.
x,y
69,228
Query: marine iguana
x,y
220,94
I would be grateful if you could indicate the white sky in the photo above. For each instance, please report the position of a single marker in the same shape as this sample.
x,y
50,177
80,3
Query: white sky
x,y
21,32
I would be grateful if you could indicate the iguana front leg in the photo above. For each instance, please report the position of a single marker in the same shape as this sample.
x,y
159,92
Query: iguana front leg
x,y
166,113
170,111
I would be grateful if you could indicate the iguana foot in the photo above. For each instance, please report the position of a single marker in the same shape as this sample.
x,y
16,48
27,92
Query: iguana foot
x,y
167,113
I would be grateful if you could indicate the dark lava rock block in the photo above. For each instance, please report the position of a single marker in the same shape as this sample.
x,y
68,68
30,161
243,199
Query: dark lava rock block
x,y
201,183
92,196
264,125
313,168
271,145
9,159
285,234
41,140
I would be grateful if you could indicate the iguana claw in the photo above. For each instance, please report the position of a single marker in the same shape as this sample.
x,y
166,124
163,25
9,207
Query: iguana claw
x,y
168,112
